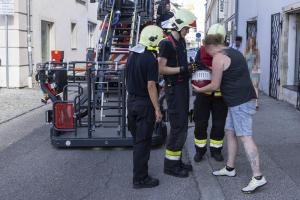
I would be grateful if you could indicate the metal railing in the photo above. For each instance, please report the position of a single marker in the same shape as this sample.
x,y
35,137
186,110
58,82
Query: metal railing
x,y
99,44
134,26
92,108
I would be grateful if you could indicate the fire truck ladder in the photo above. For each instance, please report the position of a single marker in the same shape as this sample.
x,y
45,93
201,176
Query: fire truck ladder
x,y
92,112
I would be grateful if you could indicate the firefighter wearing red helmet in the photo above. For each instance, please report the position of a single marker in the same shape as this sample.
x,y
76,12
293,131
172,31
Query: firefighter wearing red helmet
x,y
207,104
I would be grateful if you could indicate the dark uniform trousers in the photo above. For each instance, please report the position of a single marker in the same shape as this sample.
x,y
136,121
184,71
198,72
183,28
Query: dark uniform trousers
x,y
141,118
203,106
177,96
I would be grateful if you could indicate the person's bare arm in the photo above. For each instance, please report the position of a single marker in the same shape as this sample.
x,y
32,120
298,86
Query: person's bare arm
x,y
244,53
257,62
164,69
152,90
219,64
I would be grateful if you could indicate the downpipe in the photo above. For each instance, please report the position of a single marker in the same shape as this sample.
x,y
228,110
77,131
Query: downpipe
x,y
29,44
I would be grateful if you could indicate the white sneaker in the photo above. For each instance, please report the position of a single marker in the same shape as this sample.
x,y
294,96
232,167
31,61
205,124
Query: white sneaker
x,y
224,172
254,184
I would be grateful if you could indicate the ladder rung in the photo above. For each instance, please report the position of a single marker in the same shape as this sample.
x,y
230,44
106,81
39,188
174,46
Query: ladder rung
x,y
111,115
119,52
122,29
119,49
111,101
121,36
112,107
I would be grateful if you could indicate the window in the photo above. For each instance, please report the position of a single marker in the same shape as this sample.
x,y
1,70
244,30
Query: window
x,y
47,40
73,36
91,34
81,1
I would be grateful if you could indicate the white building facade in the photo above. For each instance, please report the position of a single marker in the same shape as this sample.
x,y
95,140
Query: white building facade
x,y
276,25
66,25
222,11
212,13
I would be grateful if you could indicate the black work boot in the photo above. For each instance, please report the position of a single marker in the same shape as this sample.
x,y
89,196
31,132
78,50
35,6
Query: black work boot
x,y
148,182
173,168
198,157
186,166
199,153
217,156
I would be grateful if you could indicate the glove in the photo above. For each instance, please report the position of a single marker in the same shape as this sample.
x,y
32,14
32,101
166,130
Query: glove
x,y
183,70
199,66
194,67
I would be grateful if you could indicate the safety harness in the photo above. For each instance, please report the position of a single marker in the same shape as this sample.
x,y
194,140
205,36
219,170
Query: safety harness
x,y
179,78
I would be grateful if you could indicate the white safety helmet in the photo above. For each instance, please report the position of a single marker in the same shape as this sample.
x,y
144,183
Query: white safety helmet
x,y
183,18
217,29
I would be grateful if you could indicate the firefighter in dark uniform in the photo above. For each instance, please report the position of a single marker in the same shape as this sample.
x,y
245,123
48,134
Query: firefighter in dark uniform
x,y
173,65
206,104
142,103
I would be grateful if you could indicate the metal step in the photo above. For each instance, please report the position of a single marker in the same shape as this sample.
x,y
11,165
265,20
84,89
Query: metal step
x,y
119,52
122,29
116,45
121,36
119,49
112,107
111,115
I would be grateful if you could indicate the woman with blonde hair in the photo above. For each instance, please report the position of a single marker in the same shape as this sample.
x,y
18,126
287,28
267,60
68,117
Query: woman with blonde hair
x,y
252,56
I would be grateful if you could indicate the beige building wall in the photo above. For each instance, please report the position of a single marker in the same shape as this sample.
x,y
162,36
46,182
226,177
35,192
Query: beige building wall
x,y
60,13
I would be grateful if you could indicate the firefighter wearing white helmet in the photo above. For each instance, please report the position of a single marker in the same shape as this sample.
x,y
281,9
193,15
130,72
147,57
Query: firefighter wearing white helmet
x,y
142,102
206,104
173,65
217,29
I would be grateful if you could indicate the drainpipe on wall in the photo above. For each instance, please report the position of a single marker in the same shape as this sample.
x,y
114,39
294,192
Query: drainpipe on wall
x,y
29,44
236,18
205,18
218,11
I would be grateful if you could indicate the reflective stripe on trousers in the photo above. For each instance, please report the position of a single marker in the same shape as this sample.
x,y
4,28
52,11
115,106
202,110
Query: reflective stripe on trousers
x,y
173,155
200,143
216,143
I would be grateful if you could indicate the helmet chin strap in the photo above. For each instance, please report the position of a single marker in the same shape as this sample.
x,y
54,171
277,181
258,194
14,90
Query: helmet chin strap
x,y
177,37
180,35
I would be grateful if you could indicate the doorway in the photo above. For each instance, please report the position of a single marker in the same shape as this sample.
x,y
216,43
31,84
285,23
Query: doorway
x,y
274,57
46,40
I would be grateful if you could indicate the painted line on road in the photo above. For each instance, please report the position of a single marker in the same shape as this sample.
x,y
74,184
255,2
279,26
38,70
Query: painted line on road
x,y
24,113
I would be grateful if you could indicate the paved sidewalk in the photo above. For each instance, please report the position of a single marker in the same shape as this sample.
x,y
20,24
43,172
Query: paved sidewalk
x,y
277,134
16,102
276,130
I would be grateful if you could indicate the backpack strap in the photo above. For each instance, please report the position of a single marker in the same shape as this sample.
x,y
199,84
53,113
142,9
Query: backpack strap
x,y
170,38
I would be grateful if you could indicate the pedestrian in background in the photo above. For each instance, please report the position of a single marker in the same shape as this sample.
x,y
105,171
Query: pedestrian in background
x,y
252,56
230,72
237,44
142,102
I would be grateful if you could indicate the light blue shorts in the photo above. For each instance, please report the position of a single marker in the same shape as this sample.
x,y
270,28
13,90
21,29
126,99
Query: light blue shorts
x,y
239,118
